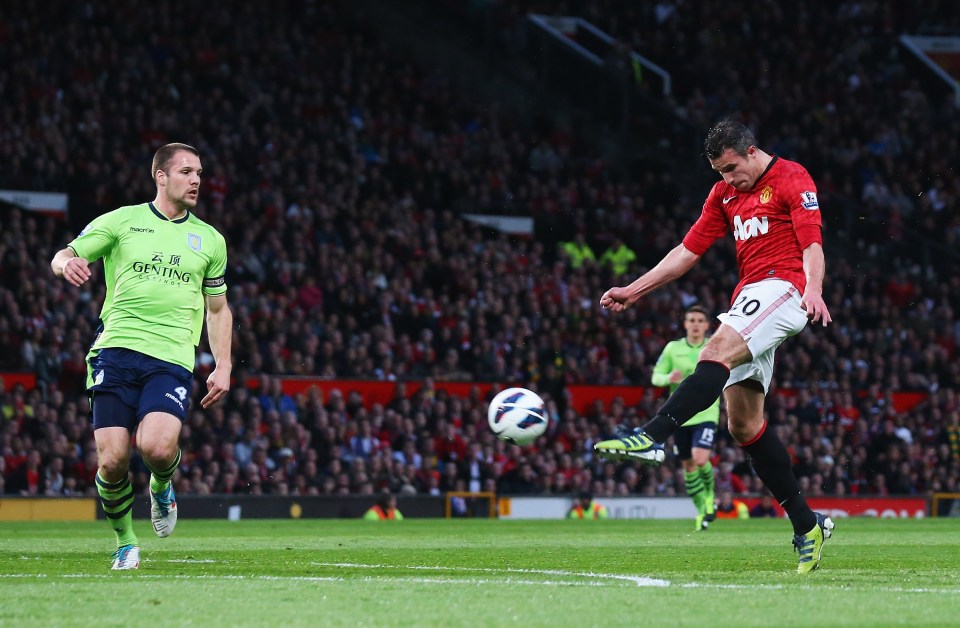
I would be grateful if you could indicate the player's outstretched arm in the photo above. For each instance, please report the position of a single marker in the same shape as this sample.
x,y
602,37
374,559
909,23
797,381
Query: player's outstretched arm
x,y
74,269
814,266
220,335
673,265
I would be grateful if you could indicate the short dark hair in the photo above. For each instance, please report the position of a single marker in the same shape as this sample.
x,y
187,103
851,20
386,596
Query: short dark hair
x,y
165,153
696,309
728,133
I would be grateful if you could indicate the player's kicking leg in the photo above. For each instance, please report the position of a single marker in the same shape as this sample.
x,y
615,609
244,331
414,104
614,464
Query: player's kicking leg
x,y
694,394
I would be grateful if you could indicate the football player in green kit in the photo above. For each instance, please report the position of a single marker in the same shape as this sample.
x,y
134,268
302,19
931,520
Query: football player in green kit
x,y
163,267
694,439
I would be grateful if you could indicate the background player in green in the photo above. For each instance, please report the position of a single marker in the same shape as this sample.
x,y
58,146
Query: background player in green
x,y
162,267
694,439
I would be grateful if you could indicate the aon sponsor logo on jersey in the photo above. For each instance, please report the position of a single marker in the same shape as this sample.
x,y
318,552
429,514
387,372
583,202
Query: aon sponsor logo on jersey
x,y
752,227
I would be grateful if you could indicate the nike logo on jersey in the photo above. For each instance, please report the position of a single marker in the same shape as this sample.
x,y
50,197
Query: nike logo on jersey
x,y
728,199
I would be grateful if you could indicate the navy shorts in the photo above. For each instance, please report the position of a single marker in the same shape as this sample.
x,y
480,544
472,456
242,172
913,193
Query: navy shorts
x,y
689,436
126,385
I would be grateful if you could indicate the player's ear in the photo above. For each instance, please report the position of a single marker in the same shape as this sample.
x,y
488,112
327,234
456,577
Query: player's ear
x,y
160,177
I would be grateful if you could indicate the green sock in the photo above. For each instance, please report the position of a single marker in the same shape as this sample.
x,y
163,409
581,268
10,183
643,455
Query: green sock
x,y
706,478
160,479
694,489
117,500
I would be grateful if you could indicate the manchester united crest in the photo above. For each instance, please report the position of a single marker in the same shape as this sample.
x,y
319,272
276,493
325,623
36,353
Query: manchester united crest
x,y
766,194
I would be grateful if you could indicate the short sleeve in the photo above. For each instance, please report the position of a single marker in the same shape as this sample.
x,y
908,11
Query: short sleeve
x,y
214,279
711,225
97,238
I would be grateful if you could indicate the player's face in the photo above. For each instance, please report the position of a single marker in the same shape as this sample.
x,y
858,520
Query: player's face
x,y
182,181
696,324
739,171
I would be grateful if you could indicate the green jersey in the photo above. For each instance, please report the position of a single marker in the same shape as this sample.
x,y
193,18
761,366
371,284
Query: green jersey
x,y
680,355
157,271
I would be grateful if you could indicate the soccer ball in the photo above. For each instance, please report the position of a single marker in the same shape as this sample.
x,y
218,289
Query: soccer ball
x,y
517,415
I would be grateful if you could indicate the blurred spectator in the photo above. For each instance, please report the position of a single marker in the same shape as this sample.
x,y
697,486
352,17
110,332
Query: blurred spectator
x,y
730,508
384,510
578,251
619,257
764,508
585,507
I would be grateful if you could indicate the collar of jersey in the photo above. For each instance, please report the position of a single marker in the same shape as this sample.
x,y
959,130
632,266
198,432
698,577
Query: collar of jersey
x,y
162,217
766,170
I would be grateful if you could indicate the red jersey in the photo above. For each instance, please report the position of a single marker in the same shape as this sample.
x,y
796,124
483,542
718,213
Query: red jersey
x,y
772,224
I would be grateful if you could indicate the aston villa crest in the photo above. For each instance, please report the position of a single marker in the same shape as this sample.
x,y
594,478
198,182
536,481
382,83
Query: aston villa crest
x,y
193,241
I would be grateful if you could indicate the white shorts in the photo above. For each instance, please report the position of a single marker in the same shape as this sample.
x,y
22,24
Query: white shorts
x,y
765,314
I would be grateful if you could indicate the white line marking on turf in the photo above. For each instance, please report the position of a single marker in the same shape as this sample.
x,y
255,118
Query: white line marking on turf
x,y
640,581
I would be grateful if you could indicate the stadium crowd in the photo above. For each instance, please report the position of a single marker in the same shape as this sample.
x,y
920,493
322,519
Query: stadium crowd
x,y
340,179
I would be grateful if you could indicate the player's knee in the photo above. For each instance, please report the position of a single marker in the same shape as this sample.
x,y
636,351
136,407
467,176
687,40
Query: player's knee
x,y
729,349
744,431
729,358
700,458
157,452
113,466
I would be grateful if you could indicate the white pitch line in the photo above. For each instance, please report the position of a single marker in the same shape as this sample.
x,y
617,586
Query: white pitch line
x,y
640,581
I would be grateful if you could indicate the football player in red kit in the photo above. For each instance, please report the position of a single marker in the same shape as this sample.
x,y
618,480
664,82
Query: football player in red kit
x,y
770,205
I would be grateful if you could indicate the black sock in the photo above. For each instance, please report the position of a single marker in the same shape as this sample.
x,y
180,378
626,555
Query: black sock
x,y
772,463
694,395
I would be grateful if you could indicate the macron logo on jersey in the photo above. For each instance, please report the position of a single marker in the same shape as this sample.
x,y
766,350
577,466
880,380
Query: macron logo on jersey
x,y
751,228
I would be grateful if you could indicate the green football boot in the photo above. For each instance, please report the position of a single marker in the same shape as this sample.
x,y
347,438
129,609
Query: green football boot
x,y
633,445
810,545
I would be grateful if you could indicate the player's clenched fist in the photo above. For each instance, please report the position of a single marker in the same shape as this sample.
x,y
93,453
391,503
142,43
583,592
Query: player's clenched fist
x,y
617,299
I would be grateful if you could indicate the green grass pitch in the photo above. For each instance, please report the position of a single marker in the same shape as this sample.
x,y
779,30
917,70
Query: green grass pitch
x,y
481,573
